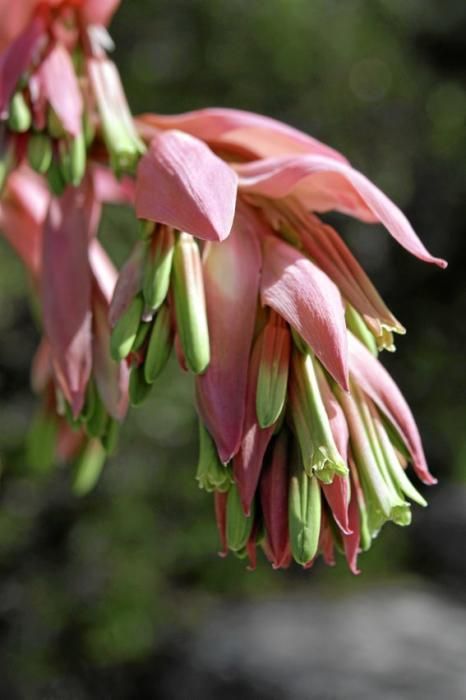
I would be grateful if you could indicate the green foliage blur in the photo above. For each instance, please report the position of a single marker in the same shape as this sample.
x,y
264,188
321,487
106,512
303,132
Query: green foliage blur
x,y
103,580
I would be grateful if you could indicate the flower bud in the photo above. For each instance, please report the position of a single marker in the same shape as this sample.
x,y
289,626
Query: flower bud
x,y
190,307
304,514
54,125
273,488
139,389
40,152
355,323
110,437
141,335
126,328
41,441
158,265
19,117
73,159
88,467
159,345
238,525
310,420
97,416
211,474
272,379
118,128
55,179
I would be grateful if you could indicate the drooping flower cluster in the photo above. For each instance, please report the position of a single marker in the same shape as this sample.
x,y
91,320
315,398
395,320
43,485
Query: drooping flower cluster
x,y
304,438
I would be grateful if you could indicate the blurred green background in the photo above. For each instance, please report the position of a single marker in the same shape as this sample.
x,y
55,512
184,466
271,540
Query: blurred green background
x,y
94,591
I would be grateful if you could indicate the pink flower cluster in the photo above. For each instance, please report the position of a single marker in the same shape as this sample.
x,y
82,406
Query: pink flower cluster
x,y
304,439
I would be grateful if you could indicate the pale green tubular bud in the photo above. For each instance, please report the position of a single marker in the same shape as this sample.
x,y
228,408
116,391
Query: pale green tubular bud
x,y
110,438
272,380
211,474
90,401
396,472
146,229
73,159
41,442
238,525
139,389
97,416
55,179
143,332
159,345
88,467
126,329
88,128
310,421
355,323
40,152
157,266
19,115
304,515
190,306
400,511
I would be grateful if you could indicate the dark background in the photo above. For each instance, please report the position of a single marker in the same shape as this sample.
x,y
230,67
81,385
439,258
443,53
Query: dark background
x,y
121,594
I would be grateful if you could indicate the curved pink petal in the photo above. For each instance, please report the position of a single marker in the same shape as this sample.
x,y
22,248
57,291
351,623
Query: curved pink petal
x,y
352,539
109,189
66,295
128,284
376,382
18,56
103,270
261,136
231,281
323,184
305,297
112,378
61,88
180,182
23,211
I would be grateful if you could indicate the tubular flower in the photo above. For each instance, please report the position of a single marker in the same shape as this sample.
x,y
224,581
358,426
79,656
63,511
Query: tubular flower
x,y
304,437
314,435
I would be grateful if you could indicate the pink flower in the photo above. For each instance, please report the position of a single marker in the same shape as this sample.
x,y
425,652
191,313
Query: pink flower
x,y
340,425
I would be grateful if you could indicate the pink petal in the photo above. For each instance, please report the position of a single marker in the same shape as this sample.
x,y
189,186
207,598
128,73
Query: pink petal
x,y
231,281
274,501
60,85
128,284
181,183
112,378
261,136
18,56
66,295
98,11
305,297
247,463
104,272
109,189
351,540
337,496
323,184
22,214
376,382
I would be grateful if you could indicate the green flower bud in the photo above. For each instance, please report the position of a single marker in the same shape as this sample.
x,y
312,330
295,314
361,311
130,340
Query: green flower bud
x,y
40,152
211,474
73,159
126,328
55,179
304,516
157,267
190,308
139,389
19,117
238,525
159,346
88,467
88,128
272,380
110,437
41,442
97,420
355,323
310,420
143,331
54,125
